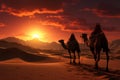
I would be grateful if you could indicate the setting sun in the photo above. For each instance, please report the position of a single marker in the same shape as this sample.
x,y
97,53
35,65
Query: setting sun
x,y
36,36
35,33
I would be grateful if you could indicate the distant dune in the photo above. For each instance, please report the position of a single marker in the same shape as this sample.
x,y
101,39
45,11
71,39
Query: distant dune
x,y
5,44
35,46
35,43
10,53
115,46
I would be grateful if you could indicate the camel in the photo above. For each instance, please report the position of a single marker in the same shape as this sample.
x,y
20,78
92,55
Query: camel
x,y
100,42
72,46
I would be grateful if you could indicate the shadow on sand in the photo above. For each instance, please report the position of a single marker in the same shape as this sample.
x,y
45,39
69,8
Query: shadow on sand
x,y
10,53
111,75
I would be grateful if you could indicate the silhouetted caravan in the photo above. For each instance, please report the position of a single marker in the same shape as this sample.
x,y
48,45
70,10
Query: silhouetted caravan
x,y
72,46
97,41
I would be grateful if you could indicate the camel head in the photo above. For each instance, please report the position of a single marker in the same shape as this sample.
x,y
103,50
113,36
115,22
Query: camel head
x,y
85,38
62,43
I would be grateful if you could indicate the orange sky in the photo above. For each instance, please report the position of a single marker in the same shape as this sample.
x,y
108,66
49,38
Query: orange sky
x,y
54,20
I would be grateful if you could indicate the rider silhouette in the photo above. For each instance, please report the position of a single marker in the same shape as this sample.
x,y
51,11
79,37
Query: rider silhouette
x,y
96,32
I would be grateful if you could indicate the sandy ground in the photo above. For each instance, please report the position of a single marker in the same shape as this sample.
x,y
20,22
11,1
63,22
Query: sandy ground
x,y
57,68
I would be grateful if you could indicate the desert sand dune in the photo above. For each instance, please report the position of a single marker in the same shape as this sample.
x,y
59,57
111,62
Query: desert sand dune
x,y
10,53
51,67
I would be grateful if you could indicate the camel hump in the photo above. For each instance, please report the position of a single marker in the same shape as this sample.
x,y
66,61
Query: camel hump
x,y
72,38
72,42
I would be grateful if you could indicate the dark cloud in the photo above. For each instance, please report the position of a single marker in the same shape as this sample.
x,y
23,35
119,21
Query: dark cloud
x,y
30,7
108,9
66,23
111,28
69,15
105,9
73,23
33,4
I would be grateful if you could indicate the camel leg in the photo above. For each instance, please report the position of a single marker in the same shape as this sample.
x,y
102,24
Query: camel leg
x,y
97,60
70,57
79,57
107,61
94,54
74,60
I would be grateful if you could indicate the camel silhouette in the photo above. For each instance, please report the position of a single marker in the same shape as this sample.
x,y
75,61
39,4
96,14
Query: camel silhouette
x,y
97,42
72,46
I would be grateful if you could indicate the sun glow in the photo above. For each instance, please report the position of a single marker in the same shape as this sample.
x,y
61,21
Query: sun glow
x,y
33,32
36,36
